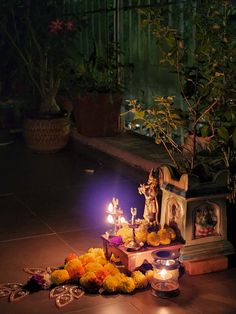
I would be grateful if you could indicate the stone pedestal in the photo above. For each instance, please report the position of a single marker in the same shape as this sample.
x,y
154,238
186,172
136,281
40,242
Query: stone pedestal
x,y
134,259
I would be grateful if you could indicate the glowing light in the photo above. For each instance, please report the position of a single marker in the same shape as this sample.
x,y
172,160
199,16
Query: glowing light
x,y
123,220
110,219
163,273
110,208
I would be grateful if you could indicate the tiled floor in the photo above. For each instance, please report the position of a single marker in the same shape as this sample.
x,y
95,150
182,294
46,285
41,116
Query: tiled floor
x,y
50,206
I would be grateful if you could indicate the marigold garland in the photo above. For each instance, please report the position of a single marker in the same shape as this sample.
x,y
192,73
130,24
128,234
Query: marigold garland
x,y
113,270
140,279
89,282
93,272
154,238
87,258
127,285
111,283
93,267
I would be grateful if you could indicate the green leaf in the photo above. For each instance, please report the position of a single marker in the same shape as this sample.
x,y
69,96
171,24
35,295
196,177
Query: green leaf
x,y
223,133
230,115
234,138
205,130
139,114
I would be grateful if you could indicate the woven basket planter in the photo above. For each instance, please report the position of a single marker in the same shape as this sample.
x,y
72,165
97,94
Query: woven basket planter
x,y
46,134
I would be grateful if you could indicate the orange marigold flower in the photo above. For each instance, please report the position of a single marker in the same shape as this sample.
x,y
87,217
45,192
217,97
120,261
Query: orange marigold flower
x,y
70,257
101,275
75,268
87,258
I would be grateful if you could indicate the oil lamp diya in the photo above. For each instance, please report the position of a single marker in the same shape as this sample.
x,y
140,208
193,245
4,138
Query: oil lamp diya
x,y
114,217
133,245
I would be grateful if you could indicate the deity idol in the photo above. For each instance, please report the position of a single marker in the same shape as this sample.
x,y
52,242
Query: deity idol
x,y
151,192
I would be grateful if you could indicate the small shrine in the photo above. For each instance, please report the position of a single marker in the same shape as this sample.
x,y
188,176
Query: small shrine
x,y
182,214
198,210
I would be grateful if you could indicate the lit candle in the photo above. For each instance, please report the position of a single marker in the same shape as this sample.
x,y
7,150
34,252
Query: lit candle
x,y
110,219
123,220
110,208
115,203
163,275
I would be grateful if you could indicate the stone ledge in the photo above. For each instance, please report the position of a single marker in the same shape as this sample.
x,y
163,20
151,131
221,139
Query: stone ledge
x,y
206,266
121,154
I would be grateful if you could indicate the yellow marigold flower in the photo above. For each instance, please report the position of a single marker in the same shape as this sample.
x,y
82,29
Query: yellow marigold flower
x,y
111,283
87,258
114,259
113,270
140,279
90,282
171,232
165,241
125,233
153,239
97,252
127,285
75,268
59,276
93,267
165,237
149,275
101,260
141,235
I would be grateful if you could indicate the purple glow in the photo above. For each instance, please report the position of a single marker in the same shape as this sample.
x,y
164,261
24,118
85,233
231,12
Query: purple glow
x,y
100,189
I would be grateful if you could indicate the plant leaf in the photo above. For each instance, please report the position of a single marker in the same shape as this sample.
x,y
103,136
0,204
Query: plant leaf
x,y
234,138
223,133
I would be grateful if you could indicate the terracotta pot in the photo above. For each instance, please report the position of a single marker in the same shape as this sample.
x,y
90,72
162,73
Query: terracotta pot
x,y
46,134
97,114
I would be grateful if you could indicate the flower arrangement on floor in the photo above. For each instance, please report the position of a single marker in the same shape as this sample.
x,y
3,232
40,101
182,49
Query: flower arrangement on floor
x,y
87,273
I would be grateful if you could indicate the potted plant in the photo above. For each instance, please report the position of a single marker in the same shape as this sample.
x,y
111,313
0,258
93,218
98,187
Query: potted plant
x,y
205,72
99,93
201,182
45,38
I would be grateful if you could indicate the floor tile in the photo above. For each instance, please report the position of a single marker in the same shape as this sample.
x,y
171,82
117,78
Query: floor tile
x,y
17,221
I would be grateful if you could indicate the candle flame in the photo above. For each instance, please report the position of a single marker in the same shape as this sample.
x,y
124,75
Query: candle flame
x,y
110,219
110,208
123,220
163,273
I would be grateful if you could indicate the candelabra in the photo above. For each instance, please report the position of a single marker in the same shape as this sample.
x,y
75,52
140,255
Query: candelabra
x,y
114,216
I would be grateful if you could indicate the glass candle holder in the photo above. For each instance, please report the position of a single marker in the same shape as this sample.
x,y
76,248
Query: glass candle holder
x,y
165,283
